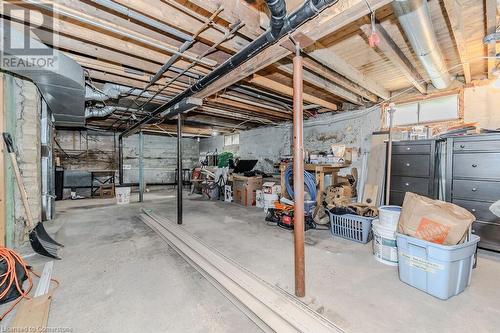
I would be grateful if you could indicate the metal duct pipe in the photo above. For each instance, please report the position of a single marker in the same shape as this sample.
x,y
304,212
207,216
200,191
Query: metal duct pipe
x,y
142,18
114,91
308,10
99,112
414,17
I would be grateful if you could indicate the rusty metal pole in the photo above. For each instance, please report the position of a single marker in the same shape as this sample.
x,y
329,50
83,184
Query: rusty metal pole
x,y
298,174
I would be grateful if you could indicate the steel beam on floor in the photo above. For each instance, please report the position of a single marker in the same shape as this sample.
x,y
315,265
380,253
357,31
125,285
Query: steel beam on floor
x,y
270,308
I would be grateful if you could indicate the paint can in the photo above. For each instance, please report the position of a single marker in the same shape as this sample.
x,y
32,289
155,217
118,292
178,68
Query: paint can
x,y
384,243
389,216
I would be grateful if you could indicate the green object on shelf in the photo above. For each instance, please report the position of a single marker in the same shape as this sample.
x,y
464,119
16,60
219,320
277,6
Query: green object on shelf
x,y
223,159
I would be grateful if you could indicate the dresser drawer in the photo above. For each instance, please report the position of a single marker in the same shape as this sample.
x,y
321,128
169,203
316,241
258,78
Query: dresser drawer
x,y
411,165
410,184
480,145
411,149
480,165
479,209
476,190
489,233
397,198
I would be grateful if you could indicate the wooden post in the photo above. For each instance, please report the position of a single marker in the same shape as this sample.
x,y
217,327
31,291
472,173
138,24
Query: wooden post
x,y
3,217
298,174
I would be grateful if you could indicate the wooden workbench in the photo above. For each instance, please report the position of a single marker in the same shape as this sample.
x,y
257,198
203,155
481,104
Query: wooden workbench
x,y
319,170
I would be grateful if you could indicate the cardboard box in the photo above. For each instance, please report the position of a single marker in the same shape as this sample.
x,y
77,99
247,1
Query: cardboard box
x,y
244,189
271,188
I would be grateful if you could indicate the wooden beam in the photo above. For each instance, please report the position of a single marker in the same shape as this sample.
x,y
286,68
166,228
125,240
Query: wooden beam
x,y
330,20
80,14
234,10
338,79
95,37
266,83
491,27
330,59
3,195
389,48
243,106
119,70
454,11
322,83
175,17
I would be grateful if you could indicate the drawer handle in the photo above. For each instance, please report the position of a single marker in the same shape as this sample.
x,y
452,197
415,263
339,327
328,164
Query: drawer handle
x,y
407,184
462,146
474,165
408,148
474,189
473,210
407,164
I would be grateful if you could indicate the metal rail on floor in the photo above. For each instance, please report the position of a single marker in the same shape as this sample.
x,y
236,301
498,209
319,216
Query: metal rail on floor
x,y
269,307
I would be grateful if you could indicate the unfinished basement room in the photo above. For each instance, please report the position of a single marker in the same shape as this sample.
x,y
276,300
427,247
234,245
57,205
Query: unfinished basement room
x,y
250,166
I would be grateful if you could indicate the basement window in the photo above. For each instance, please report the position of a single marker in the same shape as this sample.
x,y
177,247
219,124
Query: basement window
x,y
428,111
231,140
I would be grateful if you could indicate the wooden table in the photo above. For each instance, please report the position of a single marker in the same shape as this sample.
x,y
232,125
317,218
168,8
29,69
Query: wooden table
x,y
319,170
101,177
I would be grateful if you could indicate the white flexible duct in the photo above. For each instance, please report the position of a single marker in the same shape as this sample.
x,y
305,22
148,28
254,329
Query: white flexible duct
x,y
99,112
414,17
114,91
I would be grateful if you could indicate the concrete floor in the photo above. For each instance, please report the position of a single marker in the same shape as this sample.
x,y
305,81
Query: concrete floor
x,y
118,276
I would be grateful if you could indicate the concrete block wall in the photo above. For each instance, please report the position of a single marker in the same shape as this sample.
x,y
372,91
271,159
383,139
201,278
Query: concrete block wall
x,y
86,150
268,144
160,158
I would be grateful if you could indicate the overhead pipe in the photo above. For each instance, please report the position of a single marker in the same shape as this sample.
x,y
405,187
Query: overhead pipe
x,y
414,17
115,91
279,27
143,19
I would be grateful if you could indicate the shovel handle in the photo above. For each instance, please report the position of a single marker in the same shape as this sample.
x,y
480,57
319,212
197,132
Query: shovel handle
x,y
24,196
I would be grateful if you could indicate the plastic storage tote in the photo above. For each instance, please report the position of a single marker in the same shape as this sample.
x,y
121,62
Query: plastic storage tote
x,y
442,271
353,227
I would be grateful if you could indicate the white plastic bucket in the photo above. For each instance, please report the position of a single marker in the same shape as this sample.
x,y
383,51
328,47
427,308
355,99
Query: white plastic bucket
x,y
389,216
384,243
122,195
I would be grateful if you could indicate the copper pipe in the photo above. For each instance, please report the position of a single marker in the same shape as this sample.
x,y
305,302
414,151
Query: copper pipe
x,y
298,174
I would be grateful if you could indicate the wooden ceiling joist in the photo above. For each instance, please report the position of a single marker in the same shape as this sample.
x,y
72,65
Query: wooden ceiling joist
x,y
491,27
389,48
322,83
266,83
454,11
92,36
328,58
330,20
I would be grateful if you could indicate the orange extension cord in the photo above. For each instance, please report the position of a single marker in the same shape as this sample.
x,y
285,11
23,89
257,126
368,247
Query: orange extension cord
x,y
10,277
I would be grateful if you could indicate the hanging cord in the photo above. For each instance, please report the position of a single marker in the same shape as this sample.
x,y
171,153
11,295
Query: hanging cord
x,y
10,278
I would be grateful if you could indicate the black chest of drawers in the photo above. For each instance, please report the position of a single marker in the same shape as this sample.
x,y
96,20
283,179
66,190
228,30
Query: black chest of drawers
x,y
473,182
413,169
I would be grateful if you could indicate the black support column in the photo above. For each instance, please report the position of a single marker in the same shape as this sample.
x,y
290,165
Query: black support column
x,y
179,169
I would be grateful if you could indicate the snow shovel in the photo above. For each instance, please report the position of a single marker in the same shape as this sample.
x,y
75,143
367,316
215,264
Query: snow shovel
x,y
40,240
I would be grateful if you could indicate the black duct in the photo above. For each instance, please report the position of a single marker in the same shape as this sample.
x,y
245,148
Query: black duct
x,y
280,25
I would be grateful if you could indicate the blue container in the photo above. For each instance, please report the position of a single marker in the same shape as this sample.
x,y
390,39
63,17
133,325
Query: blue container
x,y
442,271
350,226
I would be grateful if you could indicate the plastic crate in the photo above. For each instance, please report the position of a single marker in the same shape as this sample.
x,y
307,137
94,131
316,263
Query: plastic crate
x,y
350,226
442,271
